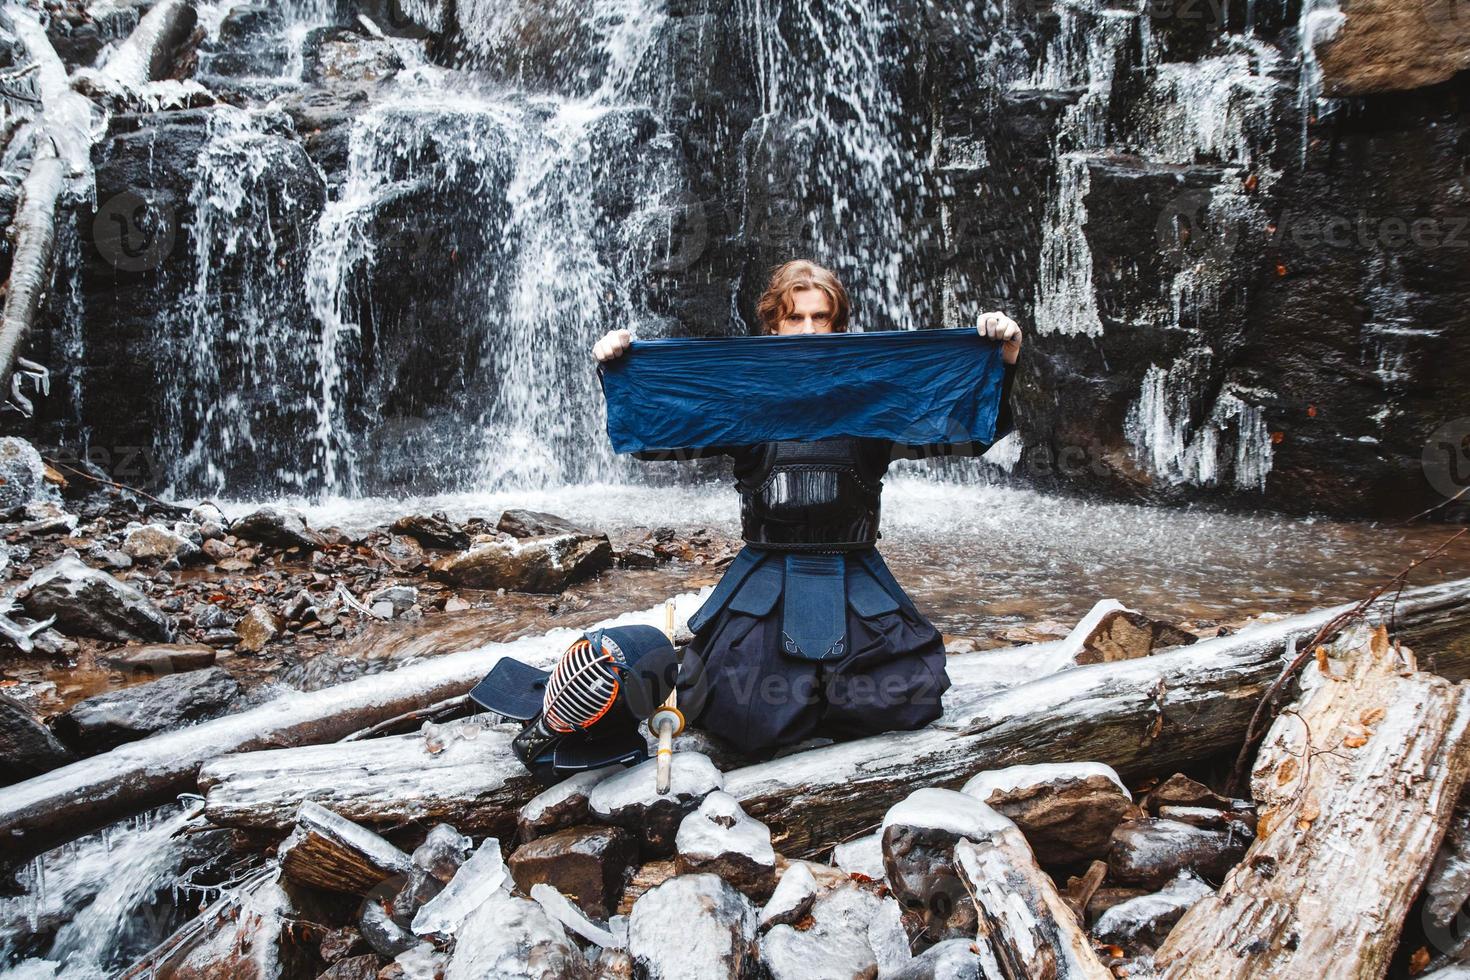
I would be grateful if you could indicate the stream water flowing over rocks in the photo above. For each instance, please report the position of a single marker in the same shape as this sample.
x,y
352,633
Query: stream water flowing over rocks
x,y
305,436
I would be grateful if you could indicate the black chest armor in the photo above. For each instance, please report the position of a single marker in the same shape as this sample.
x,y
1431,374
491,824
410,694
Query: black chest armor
x,y
810,496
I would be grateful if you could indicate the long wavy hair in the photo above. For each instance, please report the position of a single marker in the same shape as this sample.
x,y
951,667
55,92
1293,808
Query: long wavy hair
x,y
786,279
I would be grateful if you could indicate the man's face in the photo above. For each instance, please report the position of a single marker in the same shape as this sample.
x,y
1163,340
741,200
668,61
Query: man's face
x,y
811,312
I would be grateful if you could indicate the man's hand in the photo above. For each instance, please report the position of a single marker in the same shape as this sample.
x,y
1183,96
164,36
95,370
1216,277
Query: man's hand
x,y
613,345
998,326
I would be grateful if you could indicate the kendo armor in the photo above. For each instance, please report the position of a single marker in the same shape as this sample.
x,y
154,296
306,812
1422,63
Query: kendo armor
x,y
811,496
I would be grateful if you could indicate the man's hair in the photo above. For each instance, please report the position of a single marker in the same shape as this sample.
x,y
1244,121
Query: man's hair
x,y
786,279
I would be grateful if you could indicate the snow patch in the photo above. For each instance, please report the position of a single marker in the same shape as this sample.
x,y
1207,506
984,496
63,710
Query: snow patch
x,y
720,826
1012,778
946,810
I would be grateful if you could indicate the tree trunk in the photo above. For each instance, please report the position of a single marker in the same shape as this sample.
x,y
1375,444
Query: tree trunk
x,y
326,851
62,146
1026,928
1138,716
148,53
1357,783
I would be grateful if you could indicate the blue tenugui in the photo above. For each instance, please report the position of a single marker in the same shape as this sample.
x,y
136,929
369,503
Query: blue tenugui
x,y
913,387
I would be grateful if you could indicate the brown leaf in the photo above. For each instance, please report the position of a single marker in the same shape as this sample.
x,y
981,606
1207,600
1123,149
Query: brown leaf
x,y
1265,823
1156,727
1355,741
1372,716
1286,773
1321,654
1419,960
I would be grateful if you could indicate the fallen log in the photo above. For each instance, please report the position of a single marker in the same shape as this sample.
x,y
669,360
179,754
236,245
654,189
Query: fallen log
x,y
68,802
1138,716
326,851
1024,924
1357,784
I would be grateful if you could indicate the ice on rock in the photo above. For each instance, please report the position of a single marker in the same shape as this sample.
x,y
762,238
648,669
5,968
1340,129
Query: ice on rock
x,y
693,776
480,878
887,936
719,827
561,805
561,908
692,927
629,799
863,856
1013,778
944,809
512,938
1076,639
953,959
423,962
1148,918
839,944
792,898
443,852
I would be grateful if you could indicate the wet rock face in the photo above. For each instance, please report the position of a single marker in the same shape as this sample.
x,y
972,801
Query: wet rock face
x,y
589,865
27,747
90,602
110,719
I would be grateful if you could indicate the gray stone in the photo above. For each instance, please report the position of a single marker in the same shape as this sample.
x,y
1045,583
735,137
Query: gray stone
x,y
629,799
535,524
544,565
282,527
22,474
107,720
257,628
159,659
1152,851
27,747
90,602
156,543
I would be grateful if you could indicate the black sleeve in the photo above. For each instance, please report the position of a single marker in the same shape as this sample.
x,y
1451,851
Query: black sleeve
x,y
1005,423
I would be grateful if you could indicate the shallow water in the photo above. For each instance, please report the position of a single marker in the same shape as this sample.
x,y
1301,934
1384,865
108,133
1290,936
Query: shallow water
x,y
980,559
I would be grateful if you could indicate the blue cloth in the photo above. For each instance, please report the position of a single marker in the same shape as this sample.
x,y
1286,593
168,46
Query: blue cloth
x,y
914,387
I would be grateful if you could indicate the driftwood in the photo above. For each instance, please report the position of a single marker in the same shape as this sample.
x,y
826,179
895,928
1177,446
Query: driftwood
x,y
1025,927
65,803
1140,715
326,851
1357,784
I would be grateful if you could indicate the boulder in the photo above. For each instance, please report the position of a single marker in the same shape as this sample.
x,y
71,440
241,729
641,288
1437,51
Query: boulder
x,y
1371,46
257,628
861,856
720,838
1110,632
107,720
546,564
692,927
89,602
382,933
27,747
953,959
562,805
514,939
156,543
282,527
1152,851
535,524
587,864
22,475
854,935
335,54
628,799
158,659
1146,920
919,835
432,530
392,601
792,898
363,967
1066,811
